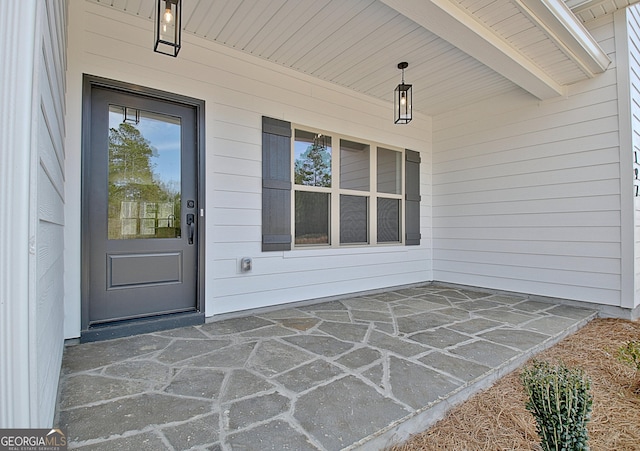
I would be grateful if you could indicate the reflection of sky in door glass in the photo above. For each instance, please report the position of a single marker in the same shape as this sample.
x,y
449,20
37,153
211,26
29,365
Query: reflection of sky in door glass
x,y
163,134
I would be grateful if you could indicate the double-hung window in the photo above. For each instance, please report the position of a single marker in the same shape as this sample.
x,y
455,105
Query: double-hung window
x,y
346,191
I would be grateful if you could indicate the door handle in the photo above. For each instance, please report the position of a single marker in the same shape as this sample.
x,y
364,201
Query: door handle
x,y
191,220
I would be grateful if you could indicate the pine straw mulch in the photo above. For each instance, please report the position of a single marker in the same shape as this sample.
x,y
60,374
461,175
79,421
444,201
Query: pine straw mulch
x,y
496,419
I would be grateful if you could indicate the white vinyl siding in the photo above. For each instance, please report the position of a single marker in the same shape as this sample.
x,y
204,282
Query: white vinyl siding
x,y
238,91
49,238
527,193
32,307
16,66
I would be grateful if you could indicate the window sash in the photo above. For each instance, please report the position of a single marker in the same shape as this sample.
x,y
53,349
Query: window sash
x,y
354,219
312,212
389,219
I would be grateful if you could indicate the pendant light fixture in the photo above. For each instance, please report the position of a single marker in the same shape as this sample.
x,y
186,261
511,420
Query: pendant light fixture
x,y
168,27
402,99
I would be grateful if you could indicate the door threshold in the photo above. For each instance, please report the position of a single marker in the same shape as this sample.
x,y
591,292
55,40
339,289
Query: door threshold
x,y
126,328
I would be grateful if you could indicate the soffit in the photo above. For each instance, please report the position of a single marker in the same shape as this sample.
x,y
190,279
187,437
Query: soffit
x,y
508,20
588,10
358,43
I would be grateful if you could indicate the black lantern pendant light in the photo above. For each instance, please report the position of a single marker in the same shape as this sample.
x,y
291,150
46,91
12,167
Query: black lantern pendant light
x,y
402,99
168,27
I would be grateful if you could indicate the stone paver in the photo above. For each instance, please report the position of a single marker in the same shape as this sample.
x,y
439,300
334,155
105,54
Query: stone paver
x,y
232,356
417,385
334,375
185,349
440,337
96,355
462,369
308,376
273,357
475,325
550,324
344,411
355,333
485,352
140,442
133,413
508,316
90,388
197,382
254,410
422,321
521,339
568,311
359,358
275,436
531,306
201,431
326,346
242,383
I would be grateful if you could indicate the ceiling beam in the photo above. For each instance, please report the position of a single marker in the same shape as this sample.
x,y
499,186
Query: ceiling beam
x,y
458,28
567,32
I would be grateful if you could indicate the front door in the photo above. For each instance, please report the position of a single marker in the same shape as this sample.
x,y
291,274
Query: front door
x,y
141,208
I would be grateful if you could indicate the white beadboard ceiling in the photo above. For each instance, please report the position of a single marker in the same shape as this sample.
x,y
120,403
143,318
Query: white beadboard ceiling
x,y
459,51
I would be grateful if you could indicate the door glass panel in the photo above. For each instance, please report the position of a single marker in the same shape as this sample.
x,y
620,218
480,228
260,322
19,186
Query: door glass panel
x,y
144,174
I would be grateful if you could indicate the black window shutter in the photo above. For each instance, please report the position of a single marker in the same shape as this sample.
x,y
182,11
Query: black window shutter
x,y
412,197
276,185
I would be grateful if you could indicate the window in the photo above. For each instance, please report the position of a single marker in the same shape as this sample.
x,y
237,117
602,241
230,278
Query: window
x,y
362,193
350,196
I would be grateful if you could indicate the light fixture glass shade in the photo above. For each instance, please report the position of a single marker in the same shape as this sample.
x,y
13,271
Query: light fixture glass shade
x,y
402,99
402,103
168,27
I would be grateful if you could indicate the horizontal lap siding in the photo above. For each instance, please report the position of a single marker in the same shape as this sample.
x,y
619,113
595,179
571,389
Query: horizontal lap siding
x,y
526,194
49,233
238,91
296,277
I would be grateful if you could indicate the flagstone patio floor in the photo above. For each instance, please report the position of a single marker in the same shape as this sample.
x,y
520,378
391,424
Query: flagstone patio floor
x,y
356,373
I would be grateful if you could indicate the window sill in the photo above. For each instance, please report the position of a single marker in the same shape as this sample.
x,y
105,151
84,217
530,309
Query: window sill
x,y
347,250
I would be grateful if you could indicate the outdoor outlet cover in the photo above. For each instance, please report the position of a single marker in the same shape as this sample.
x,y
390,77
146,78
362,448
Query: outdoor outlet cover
x,y
245,264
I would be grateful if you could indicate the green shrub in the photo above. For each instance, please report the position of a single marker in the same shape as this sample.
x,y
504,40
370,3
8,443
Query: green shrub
x,y
560,401
630,354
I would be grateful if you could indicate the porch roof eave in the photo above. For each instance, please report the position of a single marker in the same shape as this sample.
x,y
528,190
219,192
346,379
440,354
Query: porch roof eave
x,y
561,26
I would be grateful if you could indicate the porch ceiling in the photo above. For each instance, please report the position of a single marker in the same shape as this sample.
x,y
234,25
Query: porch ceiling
x,y
459,51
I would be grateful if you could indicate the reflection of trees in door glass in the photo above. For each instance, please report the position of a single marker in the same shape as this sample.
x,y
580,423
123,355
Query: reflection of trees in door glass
x,y
141,203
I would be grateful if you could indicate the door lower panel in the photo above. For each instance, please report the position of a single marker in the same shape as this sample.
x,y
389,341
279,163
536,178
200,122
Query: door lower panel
x,y
143,270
